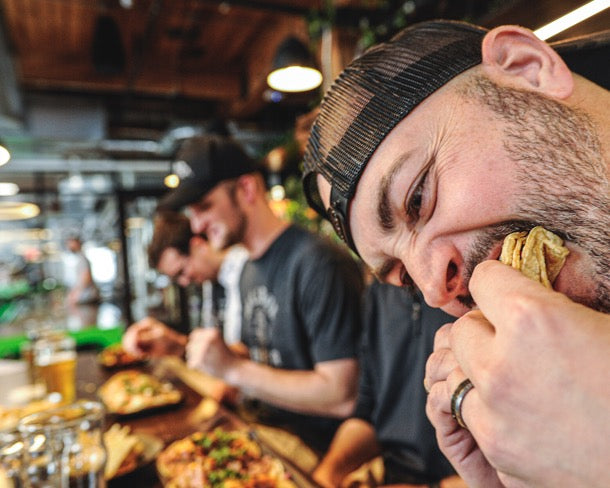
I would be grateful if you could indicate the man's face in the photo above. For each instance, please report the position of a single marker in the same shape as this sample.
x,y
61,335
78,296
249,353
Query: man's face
x,y
453,178
200,265
174,265
73,245
203,262
219,216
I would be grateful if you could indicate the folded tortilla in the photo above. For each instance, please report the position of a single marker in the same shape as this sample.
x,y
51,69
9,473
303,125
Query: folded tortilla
x,y
539,254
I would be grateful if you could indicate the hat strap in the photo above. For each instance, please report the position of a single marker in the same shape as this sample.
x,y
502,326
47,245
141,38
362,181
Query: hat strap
x,y
338,215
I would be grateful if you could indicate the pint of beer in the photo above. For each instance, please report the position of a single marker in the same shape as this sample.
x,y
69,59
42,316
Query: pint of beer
x,y
55,363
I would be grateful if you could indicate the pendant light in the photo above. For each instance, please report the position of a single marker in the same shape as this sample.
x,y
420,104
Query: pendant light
x,y
4,154
293,68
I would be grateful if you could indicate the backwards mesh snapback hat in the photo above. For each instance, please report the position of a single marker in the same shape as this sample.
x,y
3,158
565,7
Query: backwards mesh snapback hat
x,y
371,96
378,89
201,163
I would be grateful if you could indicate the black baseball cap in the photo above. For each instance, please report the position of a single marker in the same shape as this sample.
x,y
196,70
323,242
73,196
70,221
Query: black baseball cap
x,y
201,163
379,89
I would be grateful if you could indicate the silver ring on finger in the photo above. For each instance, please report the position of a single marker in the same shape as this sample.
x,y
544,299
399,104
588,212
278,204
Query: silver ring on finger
x,y
457,399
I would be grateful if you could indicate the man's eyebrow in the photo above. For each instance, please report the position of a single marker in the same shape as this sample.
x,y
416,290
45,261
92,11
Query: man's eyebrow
x,y
385,216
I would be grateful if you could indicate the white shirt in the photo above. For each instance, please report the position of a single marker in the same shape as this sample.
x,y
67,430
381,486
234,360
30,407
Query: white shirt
x,y
228,276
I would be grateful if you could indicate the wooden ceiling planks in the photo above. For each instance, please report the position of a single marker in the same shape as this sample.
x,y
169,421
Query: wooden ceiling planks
x,y
191,48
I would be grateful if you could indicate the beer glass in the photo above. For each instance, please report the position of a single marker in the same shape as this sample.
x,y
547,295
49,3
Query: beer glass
x,y
55,364
64,447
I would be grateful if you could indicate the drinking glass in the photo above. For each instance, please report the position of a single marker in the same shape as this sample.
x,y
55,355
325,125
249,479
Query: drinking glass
x,y
64,447
55,364
11,452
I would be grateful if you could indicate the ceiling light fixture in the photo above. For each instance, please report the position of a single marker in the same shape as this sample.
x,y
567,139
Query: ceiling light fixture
x,y
171,180
293,68
18,210
5,156
8,189
572,18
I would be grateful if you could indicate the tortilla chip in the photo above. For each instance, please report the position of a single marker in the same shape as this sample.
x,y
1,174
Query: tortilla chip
x,y
539,255
119,444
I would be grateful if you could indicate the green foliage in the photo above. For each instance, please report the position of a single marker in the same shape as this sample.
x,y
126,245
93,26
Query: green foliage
x,y
299,212
297,209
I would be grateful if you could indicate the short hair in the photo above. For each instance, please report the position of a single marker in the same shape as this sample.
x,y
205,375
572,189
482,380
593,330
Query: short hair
x,y
171,230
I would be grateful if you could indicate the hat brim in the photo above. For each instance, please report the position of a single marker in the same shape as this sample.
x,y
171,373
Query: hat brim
x,y
587,56
188,192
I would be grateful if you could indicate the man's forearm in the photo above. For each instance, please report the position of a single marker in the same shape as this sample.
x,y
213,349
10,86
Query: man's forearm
x,y
354,444
329,389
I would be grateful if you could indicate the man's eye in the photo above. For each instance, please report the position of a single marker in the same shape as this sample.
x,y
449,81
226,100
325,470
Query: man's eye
x,y
413,205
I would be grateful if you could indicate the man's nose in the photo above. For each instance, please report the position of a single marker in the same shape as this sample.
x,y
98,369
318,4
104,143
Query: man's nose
x,y
197,223
437,272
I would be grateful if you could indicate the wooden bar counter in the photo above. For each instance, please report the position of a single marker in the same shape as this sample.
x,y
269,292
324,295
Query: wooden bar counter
x,y
170,423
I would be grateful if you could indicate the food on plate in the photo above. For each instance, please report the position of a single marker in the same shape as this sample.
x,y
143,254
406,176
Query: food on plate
x,y
124,450
132,391
207,408
115,356
221,458
10,416
539,254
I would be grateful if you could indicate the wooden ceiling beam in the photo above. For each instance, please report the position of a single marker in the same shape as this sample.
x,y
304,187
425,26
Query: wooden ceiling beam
x,y
206,86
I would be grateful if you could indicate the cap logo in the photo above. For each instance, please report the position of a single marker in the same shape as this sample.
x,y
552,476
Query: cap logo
x,y
182,169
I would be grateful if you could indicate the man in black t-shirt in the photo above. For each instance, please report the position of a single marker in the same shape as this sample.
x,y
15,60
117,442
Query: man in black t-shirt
x,y
300,295
390,416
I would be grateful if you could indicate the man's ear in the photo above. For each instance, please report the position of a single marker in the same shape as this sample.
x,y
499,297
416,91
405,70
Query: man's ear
x,y
515,56
248,185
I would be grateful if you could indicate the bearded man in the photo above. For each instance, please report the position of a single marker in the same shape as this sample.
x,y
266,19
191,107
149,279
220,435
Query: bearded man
x,y
428,150
300,296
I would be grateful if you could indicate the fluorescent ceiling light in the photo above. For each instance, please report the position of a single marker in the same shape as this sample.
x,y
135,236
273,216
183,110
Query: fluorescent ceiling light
x,y
572,18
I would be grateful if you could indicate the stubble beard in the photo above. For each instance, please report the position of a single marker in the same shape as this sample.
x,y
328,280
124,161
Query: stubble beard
x,y
237,233
237,230
559,163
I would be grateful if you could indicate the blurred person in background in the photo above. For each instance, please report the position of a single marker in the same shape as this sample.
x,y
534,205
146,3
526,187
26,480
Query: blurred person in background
x,y
189,259
300,296
390,416
77,275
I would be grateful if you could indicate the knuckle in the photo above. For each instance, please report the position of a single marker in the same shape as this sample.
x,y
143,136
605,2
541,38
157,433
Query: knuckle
x,y
437,364
529,311
496,384
432,365
436,400
442,336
